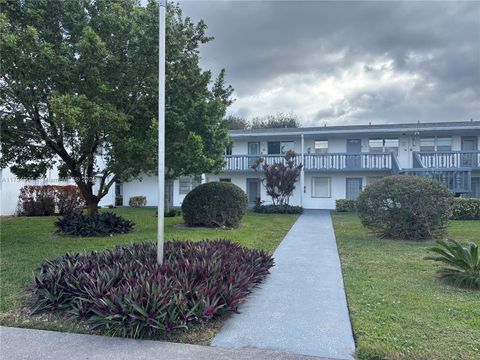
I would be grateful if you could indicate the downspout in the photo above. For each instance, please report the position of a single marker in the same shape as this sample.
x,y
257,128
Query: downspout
x,y
302,173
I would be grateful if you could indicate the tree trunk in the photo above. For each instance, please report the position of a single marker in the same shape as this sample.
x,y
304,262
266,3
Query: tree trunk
x,y
92,205
166,203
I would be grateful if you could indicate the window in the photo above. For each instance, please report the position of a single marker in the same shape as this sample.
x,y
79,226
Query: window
x,y
186,184
391,145
228,150
383,145
225,180
286,147
436,144
279,147
320,187
375,145
427,144
444,144
321,146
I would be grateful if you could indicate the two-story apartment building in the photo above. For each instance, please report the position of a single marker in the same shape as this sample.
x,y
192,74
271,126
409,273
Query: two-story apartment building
x,y
339,161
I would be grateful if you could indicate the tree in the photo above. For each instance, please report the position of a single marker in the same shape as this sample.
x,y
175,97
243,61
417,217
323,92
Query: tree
x,y
280,178
236,123
279,120
80,78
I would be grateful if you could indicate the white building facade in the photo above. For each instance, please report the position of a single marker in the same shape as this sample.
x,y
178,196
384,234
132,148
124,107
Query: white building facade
x,y
338,162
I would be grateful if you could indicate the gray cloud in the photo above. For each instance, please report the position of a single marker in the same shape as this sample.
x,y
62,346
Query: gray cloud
x,y
347,62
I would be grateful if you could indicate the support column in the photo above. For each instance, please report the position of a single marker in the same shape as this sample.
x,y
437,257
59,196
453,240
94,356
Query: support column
x,y
302,173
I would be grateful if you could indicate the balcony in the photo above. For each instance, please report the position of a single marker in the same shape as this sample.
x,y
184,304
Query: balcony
x,y
447,159
456,180
319,162
348,162
242,163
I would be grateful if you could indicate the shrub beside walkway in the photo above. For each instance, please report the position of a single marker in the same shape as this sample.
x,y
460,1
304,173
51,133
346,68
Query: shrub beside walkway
x,y
301,308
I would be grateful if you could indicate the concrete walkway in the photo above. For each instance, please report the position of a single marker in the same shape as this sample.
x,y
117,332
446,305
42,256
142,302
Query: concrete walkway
x,y
301,308
29,344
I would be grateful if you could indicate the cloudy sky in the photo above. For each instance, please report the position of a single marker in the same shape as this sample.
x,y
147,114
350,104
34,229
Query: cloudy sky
x,y
346,62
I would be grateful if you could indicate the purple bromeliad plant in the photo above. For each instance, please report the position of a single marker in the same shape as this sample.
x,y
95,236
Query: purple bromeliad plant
x,y
124,292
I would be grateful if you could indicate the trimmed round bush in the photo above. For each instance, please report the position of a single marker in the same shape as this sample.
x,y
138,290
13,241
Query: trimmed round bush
x,y
215,204
406,207
124,292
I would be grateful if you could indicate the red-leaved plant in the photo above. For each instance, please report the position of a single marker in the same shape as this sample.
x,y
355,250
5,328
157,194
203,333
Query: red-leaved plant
x,y
124,291
45,200
280,178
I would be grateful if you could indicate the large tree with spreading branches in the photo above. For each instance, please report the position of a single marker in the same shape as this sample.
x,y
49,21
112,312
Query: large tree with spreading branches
x,y
79,90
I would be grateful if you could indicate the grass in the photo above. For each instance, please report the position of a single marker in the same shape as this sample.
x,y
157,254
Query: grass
x,y
399,309
27,241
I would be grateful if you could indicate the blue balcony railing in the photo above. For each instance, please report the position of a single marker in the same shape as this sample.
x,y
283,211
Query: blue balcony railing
x,y
319,162
447,159
456,180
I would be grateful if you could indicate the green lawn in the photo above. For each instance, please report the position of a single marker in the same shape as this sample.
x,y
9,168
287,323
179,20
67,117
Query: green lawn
x,y
26,241
399,309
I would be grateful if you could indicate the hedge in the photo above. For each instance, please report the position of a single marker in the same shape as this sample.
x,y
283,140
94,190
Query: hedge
x,y
137,201
466,209
278,209
45,200
345,205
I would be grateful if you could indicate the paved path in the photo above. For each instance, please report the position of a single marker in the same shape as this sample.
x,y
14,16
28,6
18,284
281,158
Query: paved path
x,y
28,344
301,308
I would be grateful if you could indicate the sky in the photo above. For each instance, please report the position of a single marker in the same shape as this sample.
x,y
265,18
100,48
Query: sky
x,y
344,63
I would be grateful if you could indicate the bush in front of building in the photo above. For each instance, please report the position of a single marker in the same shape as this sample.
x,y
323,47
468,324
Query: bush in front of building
x,y
277,209
219,204
124,292
102,224
466,209
45,200
406,207
172,213
137,201
345,205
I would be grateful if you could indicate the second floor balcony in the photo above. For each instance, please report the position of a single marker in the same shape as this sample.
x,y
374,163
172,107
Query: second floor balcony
x,y
318,162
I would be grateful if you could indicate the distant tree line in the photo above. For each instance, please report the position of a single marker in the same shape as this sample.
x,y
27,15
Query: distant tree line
x,y
279,120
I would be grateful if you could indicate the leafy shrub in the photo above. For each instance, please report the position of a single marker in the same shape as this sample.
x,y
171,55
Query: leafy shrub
x,y
466,209
118,200
406,207
280,177
278,209
45,200
345,205
137,201
124,291
220,204
173,213
464,263
103,224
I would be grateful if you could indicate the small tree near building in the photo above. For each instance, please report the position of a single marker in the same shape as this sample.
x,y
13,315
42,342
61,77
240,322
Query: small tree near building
x,y
280,178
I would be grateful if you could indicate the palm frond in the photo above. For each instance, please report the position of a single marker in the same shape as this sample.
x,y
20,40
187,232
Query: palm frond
x,y
464,262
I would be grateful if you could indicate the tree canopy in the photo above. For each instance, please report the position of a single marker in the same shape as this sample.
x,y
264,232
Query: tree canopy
x,y
279,120
80,78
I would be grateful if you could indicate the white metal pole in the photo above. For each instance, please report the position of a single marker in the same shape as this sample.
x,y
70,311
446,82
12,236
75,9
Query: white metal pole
x,y
161,130
302,173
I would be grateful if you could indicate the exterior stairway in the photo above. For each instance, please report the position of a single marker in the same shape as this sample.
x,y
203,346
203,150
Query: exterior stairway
x,y
452,169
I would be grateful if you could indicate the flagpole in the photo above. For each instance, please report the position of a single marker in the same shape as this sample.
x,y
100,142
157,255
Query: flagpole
x,y
161,131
